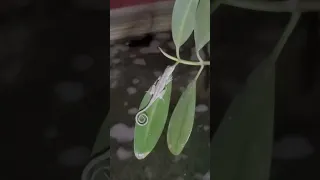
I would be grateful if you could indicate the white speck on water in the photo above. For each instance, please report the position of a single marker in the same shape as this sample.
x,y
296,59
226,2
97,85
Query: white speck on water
x,y
116,61
139,61
131,90
184,157
157,73
148,172
122,133
123,154
292,147
199,127
132,55
113,84
82,62
144,50
73,157
135,81
201,108
114,74
125,103
115,49
133,111
113,52
114,77
206,128
70,91
163,36
179,157
121,47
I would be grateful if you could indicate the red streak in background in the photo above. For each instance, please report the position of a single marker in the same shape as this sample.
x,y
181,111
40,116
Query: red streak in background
x,y
126,3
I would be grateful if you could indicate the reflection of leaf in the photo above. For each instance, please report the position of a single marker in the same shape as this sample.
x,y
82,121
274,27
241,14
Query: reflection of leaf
x,y
181,121
183,21
102,140
146,137
202,25
241,147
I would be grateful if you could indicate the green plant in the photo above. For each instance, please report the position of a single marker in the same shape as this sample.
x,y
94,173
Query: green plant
x,y
241,148
189,16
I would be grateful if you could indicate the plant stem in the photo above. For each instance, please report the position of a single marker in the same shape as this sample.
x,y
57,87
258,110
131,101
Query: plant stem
x,y
286,34
187,62
283,6
202,66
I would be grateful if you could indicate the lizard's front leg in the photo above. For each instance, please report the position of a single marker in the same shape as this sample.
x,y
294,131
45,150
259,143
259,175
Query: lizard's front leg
x,y
169,80
162,94
151,89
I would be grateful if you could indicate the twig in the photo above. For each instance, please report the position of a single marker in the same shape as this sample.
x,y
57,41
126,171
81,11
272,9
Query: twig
x,y
286,34
187,62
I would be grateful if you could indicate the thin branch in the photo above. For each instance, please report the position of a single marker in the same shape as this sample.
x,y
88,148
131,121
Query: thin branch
x,y
187,62
284,6
285,36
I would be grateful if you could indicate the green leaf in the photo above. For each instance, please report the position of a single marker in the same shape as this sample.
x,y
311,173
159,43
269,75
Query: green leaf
x,y
146,137
183,21
241,148
202,26
181,121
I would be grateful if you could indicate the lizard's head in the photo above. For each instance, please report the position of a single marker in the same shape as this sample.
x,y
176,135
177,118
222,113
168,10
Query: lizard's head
x,y
170,69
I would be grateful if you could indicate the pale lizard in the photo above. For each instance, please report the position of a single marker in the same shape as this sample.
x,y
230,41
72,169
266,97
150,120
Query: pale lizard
x,y
157,90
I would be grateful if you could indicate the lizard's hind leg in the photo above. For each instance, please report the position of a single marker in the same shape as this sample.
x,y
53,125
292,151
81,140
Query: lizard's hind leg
x,y
169,80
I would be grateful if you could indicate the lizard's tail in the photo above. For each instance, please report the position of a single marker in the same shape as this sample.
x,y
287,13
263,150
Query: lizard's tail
x,y
141,119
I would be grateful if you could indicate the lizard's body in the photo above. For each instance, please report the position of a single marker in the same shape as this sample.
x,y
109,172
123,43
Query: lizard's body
x,y
157,90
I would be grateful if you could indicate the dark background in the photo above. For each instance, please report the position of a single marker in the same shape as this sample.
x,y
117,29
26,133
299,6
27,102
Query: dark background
x,y
236,51
38,41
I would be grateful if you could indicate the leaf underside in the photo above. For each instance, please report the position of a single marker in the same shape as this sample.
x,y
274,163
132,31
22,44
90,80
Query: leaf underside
x,y
241,147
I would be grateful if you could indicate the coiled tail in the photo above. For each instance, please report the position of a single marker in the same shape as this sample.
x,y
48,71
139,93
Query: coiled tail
x,y
142,119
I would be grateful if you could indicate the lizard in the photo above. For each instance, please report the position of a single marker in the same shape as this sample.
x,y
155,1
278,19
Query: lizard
x,y
157,90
